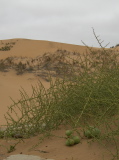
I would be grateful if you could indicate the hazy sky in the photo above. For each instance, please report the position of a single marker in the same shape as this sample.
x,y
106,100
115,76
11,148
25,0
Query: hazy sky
x,y
66,21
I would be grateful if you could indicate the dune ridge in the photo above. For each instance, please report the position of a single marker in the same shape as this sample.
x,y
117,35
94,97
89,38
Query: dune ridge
x,y
33,48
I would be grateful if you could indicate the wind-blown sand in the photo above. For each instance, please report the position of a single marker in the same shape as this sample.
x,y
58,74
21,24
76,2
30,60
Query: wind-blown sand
x,y
11,83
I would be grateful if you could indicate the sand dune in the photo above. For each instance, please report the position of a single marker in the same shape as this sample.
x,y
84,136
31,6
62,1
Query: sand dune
x,y
11,83
27,50
33,48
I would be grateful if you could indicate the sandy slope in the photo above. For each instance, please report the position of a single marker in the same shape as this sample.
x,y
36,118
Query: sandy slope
x,y
10,83
33,48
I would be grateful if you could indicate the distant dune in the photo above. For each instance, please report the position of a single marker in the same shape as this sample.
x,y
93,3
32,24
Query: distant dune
x,y
33,48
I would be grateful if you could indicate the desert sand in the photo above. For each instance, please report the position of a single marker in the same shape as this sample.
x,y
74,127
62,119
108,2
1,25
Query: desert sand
x,y
11,83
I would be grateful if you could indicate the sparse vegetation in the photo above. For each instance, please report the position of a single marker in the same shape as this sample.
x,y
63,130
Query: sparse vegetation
x,y
7,46
88,95
3,66
20,68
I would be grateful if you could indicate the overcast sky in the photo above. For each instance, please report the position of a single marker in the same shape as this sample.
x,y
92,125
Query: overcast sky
x,y
66,21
